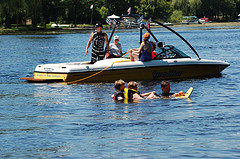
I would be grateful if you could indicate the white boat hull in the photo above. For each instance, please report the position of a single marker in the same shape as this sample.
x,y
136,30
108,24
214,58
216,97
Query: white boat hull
x,y
121,68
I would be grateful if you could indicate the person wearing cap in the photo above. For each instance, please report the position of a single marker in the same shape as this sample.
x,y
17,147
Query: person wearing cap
x,y
115,50
98,38
144,53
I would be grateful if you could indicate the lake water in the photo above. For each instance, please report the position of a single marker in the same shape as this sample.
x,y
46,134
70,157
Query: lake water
x,y
82,121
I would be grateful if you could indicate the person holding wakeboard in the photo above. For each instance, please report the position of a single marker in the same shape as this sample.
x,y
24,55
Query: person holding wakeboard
x,y
165,86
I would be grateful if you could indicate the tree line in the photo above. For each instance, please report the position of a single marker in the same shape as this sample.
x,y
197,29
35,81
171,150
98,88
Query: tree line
x,y
42,12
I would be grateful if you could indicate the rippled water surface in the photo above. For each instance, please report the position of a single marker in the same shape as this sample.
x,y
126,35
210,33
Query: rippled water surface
x,y
82,121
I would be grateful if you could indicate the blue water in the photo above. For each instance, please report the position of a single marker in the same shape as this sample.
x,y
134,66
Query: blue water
x,y
82,121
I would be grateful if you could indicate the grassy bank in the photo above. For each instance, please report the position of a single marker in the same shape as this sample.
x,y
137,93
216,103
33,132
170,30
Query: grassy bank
x,y
84,27
210,24
48,30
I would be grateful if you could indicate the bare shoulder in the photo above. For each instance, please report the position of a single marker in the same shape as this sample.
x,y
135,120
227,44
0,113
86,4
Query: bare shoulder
x,y
142,44
91,36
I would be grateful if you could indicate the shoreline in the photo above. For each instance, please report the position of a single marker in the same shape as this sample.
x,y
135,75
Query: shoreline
x,y
39,31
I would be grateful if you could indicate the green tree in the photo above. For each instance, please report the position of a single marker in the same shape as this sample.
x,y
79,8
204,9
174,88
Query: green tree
x,y
158,9
104,12
237,11
57,10
34,10
47,11
78,11
18,10
108,7
120,7
219,9
227,9
176,17
74,10
188,7
10,9
194,6
182,5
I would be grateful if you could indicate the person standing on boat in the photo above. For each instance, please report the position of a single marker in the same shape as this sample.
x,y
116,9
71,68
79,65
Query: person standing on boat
x,y
115,48
144,53
98,38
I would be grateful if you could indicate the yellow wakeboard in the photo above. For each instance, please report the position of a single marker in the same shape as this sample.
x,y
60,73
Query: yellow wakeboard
x,y
186,95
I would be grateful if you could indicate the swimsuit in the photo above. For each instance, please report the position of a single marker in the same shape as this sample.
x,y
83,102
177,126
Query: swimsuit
x,y
146,54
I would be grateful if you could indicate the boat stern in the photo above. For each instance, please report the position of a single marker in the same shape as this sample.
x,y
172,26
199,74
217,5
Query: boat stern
x,y
50,76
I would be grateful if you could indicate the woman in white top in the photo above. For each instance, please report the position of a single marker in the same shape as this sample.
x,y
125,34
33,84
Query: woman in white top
x,y
115,49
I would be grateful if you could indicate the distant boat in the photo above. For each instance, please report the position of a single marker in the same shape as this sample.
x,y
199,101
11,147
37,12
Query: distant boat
x,y
204,20
190,20
60,26
165,23
238,20
130,20
168,24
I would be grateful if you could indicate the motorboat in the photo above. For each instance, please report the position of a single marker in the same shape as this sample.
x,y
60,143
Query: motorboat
x,y
60,26
190,20
130,20
204,20
170,63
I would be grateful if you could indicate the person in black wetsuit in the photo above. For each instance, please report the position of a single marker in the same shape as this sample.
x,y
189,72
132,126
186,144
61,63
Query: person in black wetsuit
x,y
98,38
118,95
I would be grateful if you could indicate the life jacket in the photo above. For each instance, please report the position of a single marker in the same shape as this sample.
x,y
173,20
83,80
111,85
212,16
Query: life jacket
x,y
128,94
154,54
118,96
98,42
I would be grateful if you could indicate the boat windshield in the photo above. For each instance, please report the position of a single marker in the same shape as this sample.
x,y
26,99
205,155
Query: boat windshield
x,y
169,52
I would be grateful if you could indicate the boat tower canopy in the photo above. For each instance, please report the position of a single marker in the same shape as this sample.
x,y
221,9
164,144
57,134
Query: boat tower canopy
x,y
143,26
